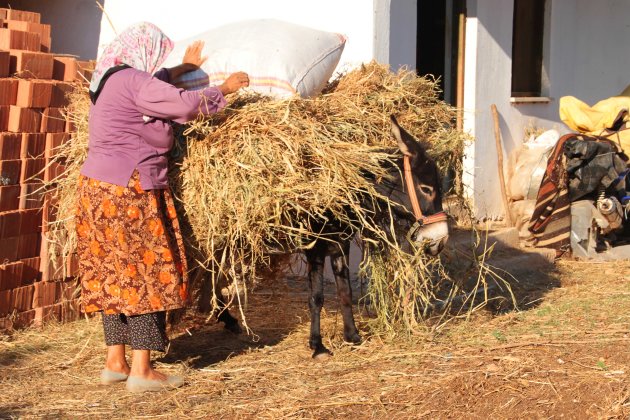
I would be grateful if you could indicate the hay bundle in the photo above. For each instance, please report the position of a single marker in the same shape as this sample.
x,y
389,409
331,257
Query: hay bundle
x,y
251,179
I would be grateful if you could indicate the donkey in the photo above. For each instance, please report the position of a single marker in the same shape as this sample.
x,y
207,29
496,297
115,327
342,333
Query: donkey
x,y
420,200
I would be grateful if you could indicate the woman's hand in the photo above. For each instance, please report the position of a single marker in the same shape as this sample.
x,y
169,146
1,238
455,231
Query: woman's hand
x,y
193,56
234,82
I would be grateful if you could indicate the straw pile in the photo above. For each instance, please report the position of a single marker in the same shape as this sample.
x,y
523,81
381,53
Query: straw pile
x,y
253,178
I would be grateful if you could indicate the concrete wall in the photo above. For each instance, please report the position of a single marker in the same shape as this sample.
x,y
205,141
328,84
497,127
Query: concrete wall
x,y
74,23
586,56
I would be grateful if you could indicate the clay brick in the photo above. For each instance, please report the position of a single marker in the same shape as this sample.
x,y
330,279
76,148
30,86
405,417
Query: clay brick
x,y
10,145
10,171
70,126
11,275
49,213
31,196
4,63
29,64
9,224
31,272
32,171
14,14
22,299
46,293
8,91
30,222
6,299
24,120
65,68
34,93
54,142
60,92
10,197
24,319
5,110
9,249
11,39
28,246
33,145
53,170
40,28
53,121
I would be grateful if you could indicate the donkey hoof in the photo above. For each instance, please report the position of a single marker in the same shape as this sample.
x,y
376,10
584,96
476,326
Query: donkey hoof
x,y
322,354
353,338
233,327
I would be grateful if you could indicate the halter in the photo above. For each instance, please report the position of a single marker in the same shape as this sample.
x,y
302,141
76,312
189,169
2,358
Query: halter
x,y
421,220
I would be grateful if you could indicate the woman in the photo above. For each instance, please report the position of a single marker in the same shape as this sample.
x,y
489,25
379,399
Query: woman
x,y
130,248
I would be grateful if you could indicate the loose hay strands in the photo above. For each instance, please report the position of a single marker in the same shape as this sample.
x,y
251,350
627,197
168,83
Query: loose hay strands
x,y
260,176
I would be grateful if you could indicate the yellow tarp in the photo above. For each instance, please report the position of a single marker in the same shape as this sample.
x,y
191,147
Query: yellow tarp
x,y
596,120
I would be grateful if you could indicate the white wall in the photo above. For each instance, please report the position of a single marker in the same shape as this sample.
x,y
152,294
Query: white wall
x,y
74,24
587,57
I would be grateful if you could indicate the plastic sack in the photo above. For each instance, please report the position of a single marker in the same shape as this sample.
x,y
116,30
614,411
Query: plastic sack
x,y
526,168
281,58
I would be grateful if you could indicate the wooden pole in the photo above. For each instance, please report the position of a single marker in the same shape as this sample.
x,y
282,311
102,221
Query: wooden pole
x,y
497,138
461,45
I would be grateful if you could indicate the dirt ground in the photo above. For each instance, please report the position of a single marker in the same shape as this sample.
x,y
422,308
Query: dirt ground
x,y
564,354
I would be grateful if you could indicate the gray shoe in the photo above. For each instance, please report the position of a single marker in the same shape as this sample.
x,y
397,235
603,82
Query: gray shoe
x,y
109,377
137,384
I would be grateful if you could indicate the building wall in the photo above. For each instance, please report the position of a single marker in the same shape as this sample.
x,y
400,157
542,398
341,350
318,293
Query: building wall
x,y
74,24
587,57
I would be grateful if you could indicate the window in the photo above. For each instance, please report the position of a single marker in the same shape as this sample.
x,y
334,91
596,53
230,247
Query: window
x,y
527,47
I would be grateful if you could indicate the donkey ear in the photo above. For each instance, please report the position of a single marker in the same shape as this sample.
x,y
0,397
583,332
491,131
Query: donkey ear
x,y
406,143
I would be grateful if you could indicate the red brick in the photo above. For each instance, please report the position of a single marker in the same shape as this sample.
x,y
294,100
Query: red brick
x,y
22,299
54,142
11,39
31,272
33,171
31,196
53,121
28,246
29,64
11,275
10,197
60,92
72,265
53,170
40,28
9,249
10,145
10,171
33,145
24,120
6,300
5,110
24,319
30,222
8,91
49,213
65,68
9,224
4,63
34,93
14,14
46,293
50,269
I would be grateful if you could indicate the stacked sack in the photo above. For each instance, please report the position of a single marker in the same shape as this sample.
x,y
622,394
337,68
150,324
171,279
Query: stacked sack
x,y
33,93
526,168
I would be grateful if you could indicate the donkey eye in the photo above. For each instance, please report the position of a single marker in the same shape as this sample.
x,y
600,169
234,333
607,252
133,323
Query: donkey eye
x,y
426,189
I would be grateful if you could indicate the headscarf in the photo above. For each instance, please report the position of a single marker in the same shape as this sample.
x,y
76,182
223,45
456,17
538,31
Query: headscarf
x,y
142,46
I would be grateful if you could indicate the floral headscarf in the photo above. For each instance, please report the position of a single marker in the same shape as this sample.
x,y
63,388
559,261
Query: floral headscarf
x,y
142,46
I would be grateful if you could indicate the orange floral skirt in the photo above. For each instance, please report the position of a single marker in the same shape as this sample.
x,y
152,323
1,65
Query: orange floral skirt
x,y
130,249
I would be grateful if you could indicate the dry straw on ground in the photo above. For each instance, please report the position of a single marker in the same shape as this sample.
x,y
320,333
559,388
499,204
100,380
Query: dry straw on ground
x,y
253,178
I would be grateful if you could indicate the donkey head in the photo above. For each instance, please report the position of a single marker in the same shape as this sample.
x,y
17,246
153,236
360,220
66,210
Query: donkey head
x,y
422,179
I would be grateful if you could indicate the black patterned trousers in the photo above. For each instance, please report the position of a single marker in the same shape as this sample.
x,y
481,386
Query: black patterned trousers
x,y
141,332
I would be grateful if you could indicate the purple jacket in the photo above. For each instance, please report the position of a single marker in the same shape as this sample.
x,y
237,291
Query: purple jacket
x,y
130,126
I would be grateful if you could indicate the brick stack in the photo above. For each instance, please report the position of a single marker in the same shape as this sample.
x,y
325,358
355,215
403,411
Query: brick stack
x,y
33,87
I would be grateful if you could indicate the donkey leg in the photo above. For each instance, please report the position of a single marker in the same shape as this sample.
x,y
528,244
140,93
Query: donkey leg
x,y
339,260
229,322
315,258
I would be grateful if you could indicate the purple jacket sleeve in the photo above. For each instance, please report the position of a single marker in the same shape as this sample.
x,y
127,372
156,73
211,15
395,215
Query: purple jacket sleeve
x,y
162,100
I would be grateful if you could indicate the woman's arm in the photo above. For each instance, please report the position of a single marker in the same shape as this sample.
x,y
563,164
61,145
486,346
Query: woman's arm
x,y
192,61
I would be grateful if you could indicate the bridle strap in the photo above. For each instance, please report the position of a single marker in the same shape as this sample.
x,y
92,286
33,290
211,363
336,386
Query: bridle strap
x,y
413,197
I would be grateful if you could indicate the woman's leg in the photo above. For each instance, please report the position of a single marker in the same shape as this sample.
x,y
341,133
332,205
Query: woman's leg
x,y
116,332
147,333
